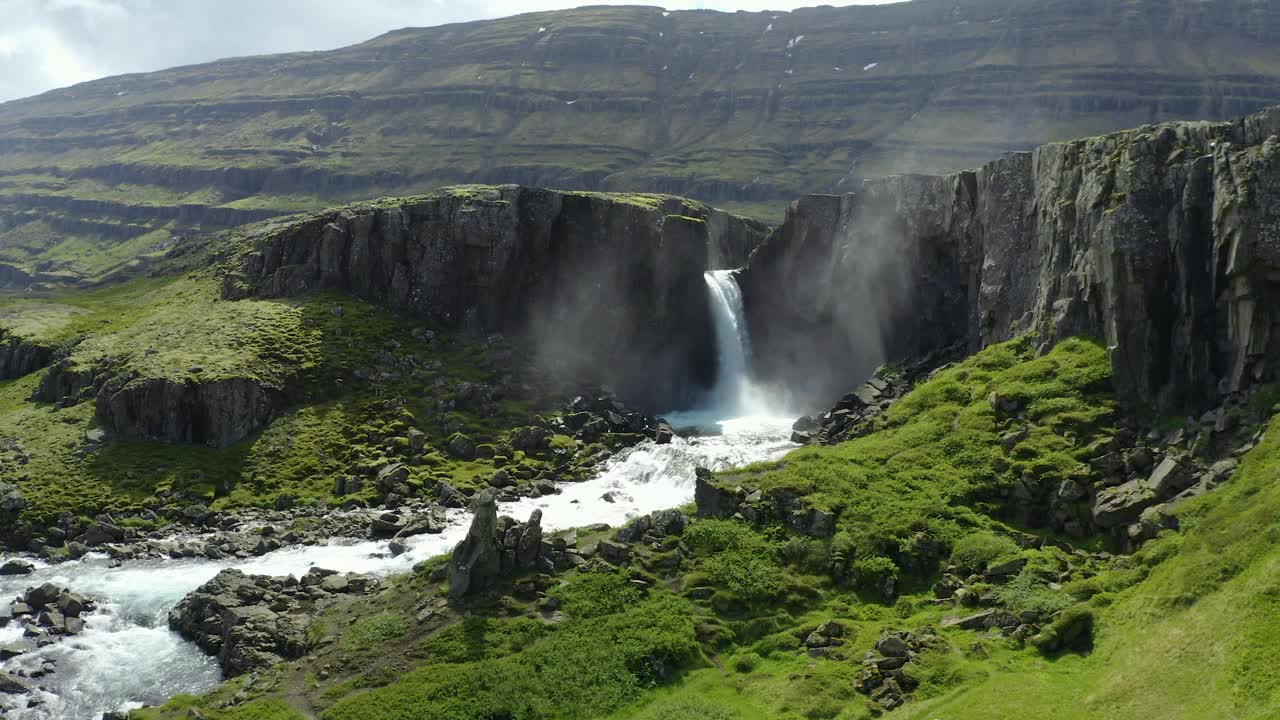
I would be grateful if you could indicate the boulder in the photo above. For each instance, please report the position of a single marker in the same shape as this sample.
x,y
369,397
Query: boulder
x,y
10,685
976,621
386,525
530,543
613,553
71,604
1169,477
417,440
17,567
1121,505
634,530
432,523
668,522
530,439
712,499
461,447
46,594
14,649
251,622
501,479
391,475
11,500
450,497
102,532
664,434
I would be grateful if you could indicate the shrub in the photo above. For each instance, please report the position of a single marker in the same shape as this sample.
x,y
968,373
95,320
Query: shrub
x,y
745,575
713,536
977,550
1028,592
806,555
368,632
939,670
873,571
746,662
595,594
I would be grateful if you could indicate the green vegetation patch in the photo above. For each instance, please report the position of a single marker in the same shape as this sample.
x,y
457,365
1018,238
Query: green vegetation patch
x,y
935,464
583,668
352,381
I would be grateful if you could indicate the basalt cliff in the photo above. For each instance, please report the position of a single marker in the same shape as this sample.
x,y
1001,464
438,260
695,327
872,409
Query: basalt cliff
x,y
1163,241
601,290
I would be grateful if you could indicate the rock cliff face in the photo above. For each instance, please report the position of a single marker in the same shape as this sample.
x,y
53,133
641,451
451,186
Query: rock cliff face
x,y
20,356
607,287
215,412
1163,241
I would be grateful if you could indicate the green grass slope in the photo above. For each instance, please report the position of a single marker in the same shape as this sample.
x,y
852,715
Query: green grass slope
x,y
713,624
356,379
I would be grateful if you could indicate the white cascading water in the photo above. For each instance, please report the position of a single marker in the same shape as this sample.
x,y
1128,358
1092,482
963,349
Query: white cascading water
x,y
734,392
127,657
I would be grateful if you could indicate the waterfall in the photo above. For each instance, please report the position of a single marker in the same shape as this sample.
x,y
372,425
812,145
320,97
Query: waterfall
x,y
733,392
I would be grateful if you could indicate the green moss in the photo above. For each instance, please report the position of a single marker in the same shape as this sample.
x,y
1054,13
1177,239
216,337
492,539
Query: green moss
x,y
585,668
370,632
936,456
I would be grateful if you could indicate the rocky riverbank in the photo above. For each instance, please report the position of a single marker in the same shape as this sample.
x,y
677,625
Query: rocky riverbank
x,y
531,461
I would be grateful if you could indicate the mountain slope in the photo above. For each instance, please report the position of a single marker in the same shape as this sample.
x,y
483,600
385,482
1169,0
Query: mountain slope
x,y
744,109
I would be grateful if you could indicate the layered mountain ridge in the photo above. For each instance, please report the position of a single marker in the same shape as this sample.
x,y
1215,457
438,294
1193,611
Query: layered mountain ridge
x,y
747,110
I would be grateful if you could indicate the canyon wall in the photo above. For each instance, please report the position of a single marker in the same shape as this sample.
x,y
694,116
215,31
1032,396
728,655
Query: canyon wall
x,y
606,288
1163,242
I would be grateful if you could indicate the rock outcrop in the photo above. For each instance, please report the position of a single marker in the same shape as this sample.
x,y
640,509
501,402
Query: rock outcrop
x,y
48,610
214,412
497,547
252,622
20,356
1162,241
195,409
609,288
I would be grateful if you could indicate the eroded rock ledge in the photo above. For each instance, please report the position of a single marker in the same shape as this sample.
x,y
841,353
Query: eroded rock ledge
x,y
20,356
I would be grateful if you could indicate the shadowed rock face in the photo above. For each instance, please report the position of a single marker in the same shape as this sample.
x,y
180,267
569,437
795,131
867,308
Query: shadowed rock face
x,y
608,289
1162,241
20,356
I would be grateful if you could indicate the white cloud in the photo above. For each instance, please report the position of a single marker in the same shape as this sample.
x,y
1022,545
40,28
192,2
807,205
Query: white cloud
x,y
46,44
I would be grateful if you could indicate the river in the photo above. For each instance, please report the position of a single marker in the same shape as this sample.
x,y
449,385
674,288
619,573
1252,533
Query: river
x,y
127,657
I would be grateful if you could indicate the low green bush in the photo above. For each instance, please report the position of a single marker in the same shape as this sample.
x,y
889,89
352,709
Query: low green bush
x,y
975,551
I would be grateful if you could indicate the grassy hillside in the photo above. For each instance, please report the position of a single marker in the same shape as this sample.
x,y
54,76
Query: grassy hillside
x,y
356,381
745,110
715,623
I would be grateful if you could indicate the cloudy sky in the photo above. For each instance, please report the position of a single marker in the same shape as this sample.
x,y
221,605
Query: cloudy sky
x,y
45,44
